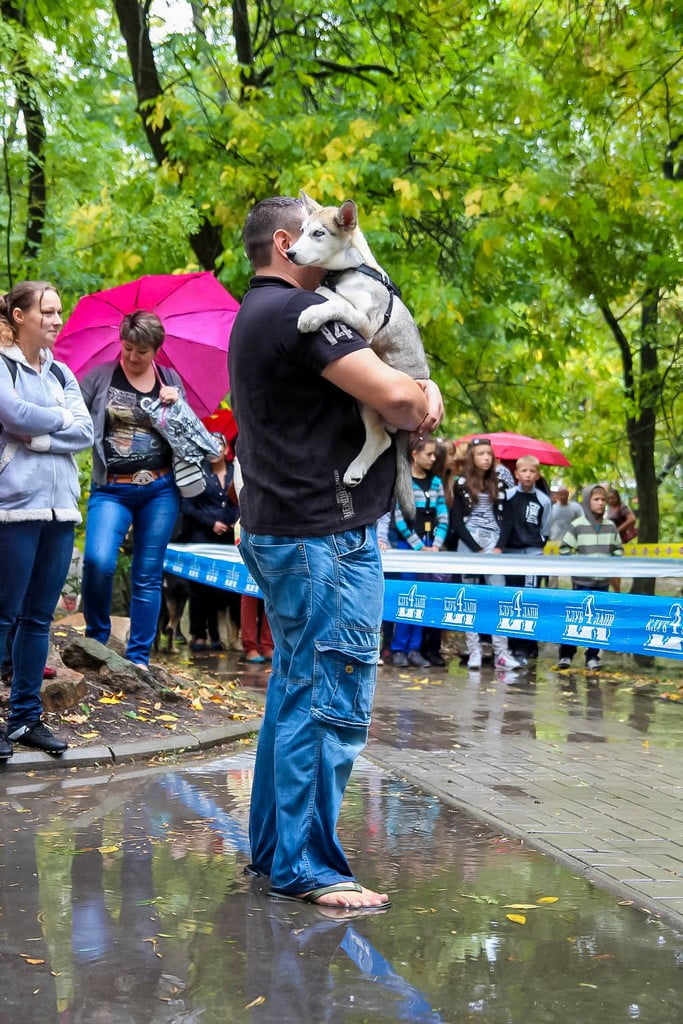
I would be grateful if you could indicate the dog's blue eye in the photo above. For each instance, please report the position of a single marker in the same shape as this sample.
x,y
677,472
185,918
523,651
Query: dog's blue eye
x,y
318,234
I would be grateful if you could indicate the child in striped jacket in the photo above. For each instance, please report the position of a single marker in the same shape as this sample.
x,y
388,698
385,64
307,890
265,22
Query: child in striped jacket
x,y
595,535
427,532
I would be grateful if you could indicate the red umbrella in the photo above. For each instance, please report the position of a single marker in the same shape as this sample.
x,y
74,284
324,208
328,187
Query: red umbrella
x,y
197,313
511,446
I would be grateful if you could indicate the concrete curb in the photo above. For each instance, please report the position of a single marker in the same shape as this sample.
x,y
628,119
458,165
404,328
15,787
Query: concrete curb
x,y
138,750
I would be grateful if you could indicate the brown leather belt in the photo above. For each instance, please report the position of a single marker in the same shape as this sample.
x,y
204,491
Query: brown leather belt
x,y
143,476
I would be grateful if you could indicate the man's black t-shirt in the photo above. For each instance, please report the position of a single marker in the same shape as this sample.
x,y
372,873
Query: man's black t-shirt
x,y
298,433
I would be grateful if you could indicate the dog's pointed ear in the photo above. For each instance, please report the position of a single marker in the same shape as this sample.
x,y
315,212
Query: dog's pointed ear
x,y
310,204
347,215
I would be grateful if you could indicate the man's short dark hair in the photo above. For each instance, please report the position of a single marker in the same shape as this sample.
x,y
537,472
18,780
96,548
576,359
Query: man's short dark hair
x,y
263,220
142,329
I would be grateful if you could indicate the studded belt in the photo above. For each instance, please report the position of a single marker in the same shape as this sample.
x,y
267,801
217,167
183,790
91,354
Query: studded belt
x,y
142,476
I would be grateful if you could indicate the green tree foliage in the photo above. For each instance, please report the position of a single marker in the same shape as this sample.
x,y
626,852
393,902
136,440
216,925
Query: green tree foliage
x,y
519,170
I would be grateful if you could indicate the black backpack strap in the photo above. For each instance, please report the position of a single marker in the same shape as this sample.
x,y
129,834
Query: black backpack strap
x,y
58,372
55,370
11,366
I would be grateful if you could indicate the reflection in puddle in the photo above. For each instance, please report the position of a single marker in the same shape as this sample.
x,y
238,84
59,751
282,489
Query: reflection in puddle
x,y
128,903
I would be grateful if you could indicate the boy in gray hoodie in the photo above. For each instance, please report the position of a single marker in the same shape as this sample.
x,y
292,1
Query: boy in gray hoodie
x,y
592,534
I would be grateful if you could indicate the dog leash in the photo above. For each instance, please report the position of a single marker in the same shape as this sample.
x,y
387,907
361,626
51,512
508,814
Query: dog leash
x,y
333,276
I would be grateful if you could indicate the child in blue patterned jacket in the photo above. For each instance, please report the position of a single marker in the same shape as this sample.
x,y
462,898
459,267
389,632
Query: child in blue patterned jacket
x,y
427,532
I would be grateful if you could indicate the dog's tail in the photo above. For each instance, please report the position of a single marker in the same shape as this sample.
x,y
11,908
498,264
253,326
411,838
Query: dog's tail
x,y
405,495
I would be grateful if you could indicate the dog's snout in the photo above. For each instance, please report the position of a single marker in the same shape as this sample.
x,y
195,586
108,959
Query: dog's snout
x,y
291,255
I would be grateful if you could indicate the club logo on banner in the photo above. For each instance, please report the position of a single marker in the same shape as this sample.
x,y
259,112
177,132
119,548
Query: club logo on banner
x,y
411,606
517,616
666,634
586,624
459,611
231,578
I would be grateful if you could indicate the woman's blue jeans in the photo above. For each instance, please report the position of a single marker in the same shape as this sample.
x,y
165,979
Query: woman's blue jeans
x,y
407,636
35,558
152,510
323,598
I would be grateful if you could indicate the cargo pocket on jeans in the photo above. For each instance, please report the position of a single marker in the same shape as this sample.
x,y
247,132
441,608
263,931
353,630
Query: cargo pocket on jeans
x,y
344,684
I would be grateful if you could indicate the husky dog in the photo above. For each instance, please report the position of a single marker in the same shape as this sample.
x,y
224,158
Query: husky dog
x,y
361,294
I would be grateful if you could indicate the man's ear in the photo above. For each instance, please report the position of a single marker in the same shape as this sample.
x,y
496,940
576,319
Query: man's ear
x,y
347,215
310,204
282,240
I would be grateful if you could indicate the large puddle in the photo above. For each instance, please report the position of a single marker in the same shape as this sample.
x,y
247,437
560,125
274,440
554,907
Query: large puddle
x,y
125,901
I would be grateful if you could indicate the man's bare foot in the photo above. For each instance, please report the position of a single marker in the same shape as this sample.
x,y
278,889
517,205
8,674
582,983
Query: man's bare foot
x,y
350,900
340,896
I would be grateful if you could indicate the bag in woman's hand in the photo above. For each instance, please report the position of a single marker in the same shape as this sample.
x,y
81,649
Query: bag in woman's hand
x,y
189,439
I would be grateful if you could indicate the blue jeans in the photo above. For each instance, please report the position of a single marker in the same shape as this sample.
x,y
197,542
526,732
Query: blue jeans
x,y
323,598
407,636
152,510
35,558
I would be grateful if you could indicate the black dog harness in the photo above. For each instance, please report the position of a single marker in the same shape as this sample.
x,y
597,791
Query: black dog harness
x,y
333,276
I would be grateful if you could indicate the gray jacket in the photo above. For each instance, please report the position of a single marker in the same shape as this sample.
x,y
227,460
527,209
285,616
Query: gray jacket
x,y
43,425
95,387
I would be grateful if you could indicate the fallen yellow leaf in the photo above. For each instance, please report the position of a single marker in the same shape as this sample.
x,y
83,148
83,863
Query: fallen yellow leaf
x,y
548,899
30,959
520,906
516,918
259,1001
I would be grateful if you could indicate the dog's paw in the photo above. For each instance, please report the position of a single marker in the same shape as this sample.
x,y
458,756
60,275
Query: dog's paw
x,y
356,472
311,319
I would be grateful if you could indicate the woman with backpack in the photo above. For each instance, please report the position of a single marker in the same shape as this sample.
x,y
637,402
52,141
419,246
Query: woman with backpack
x,y
44,422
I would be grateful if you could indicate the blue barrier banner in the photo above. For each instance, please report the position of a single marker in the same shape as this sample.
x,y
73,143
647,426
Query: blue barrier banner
x,y
628,623
585,618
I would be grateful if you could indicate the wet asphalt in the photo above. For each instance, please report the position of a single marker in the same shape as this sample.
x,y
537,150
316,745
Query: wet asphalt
x,y
527,826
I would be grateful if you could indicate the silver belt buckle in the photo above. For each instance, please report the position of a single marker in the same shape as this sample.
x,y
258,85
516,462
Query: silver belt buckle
x,y
143,476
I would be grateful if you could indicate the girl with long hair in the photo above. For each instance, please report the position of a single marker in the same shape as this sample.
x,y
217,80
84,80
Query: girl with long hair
x,y
474,524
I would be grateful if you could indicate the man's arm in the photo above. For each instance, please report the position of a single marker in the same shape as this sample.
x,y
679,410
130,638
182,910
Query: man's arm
x,y
400,400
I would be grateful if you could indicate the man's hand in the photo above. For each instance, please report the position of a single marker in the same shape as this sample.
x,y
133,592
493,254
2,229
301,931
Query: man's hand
x,y
219,528
435,411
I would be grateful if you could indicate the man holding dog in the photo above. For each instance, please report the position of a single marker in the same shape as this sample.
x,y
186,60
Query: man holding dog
x,y
310,543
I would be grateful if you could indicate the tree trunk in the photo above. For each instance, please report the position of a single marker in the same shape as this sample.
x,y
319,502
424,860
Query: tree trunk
x,y
24,83
641,433
206,242
642,392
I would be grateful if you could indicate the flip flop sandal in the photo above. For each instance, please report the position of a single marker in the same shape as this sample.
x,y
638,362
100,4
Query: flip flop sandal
x,y
314,895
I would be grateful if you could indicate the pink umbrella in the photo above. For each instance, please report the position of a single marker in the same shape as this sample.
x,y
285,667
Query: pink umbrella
x,y
511,446
197,313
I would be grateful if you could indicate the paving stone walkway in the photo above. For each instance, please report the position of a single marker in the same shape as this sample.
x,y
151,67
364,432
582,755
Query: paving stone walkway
x,y
579,767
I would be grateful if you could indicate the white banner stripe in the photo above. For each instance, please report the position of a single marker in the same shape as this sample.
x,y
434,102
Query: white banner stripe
x,y
420,563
